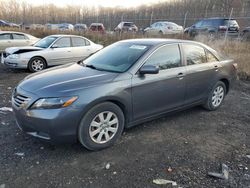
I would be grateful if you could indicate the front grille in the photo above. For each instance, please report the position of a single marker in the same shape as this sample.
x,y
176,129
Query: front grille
x,y
20,100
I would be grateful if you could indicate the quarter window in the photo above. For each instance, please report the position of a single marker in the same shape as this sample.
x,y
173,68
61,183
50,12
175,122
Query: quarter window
x,y
211,57
63,42
166,57
5,36
194,54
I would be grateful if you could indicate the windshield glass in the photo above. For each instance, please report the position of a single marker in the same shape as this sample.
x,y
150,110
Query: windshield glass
x,y
118,57
45,42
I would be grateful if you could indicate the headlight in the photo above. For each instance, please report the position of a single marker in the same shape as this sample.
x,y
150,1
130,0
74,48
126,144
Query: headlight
x,y
53,103
14,56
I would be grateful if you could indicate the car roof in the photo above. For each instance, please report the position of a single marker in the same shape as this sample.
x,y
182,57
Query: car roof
x,y
219,18
64,35
2,32
156,42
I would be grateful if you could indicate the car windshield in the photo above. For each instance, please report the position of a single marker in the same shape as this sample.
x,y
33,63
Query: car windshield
x,y
118,57
231,23
45,42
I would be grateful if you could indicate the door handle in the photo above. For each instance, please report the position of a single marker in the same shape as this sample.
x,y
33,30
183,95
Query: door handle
x,y
180,75
216,68
69,51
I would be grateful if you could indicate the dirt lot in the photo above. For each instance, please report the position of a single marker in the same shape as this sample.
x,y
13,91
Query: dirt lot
x,y
191,143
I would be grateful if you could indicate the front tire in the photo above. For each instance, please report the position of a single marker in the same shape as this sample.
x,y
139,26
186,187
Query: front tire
x,y
101,126
216,97
36,64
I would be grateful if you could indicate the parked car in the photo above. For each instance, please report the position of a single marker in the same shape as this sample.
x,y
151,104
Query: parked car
x,y
127,83
81,27
12,38
126,27
50,51
97,27
66,27
163,28
246,33
214,27
8,24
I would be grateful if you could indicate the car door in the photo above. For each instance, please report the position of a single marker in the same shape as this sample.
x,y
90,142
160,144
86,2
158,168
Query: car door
x,y
195,29
81,48
20,40
201,72
60,52
155,93
5,41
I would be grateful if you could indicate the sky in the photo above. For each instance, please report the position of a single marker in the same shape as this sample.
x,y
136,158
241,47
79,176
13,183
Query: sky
x,y
105,3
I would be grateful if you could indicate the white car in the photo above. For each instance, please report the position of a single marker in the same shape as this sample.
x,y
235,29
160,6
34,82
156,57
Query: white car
x,y
163,28
12,38
50,51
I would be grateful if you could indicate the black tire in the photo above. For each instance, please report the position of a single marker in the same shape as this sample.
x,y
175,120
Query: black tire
x,y
38,59
209,103
85,126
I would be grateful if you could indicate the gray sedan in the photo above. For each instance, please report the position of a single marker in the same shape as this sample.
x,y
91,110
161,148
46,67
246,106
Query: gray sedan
x,y
127,83
50,51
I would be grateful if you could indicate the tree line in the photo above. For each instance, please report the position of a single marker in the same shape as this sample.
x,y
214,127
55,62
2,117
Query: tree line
x,y
171,10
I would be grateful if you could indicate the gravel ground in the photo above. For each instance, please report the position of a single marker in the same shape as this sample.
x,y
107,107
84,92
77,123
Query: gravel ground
x,y
182,147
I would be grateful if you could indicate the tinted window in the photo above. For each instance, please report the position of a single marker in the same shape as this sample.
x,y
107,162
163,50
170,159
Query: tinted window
x,y
63,42
18,36
118,57
194,54
78,42
5,36
198,24
166,57
128,24
210,57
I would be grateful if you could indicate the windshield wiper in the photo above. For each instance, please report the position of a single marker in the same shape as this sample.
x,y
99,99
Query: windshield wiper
x,y
90,66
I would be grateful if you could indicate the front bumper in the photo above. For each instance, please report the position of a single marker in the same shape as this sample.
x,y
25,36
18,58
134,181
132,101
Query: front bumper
x,y
55,125
16,63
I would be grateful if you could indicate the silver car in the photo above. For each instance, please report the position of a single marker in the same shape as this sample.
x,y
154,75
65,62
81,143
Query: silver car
x,y
163,28
50,51
10,39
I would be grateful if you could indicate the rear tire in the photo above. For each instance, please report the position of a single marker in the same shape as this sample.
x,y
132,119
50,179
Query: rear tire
x,y
101,126
216,97
37,64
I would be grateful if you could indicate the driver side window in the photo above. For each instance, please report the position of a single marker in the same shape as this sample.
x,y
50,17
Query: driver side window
x,y
166,57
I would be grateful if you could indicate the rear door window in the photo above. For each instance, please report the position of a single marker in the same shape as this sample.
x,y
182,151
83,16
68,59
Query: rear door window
x,y
166,57
78,42
5,36
194,54
19,36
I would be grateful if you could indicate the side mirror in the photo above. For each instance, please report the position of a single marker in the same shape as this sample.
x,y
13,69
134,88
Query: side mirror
x,y
149,69
54,46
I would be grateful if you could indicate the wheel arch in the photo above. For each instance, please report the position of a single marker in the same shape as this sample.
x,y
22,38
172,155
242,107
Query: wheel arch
x,y
226,82
39,57
126,108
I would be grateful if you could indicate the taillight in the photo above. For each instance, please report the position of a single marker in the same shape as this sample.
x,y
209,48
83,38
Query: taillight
x,y
235,65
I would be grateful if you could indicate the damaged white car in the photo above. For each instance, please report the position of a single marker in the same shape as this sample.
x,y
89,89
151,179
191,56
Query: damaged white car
x,y
50,51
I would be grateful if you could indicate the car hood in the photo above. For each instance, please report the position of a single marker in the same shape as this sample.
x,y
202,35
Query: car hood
x,y
18,50
63,79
